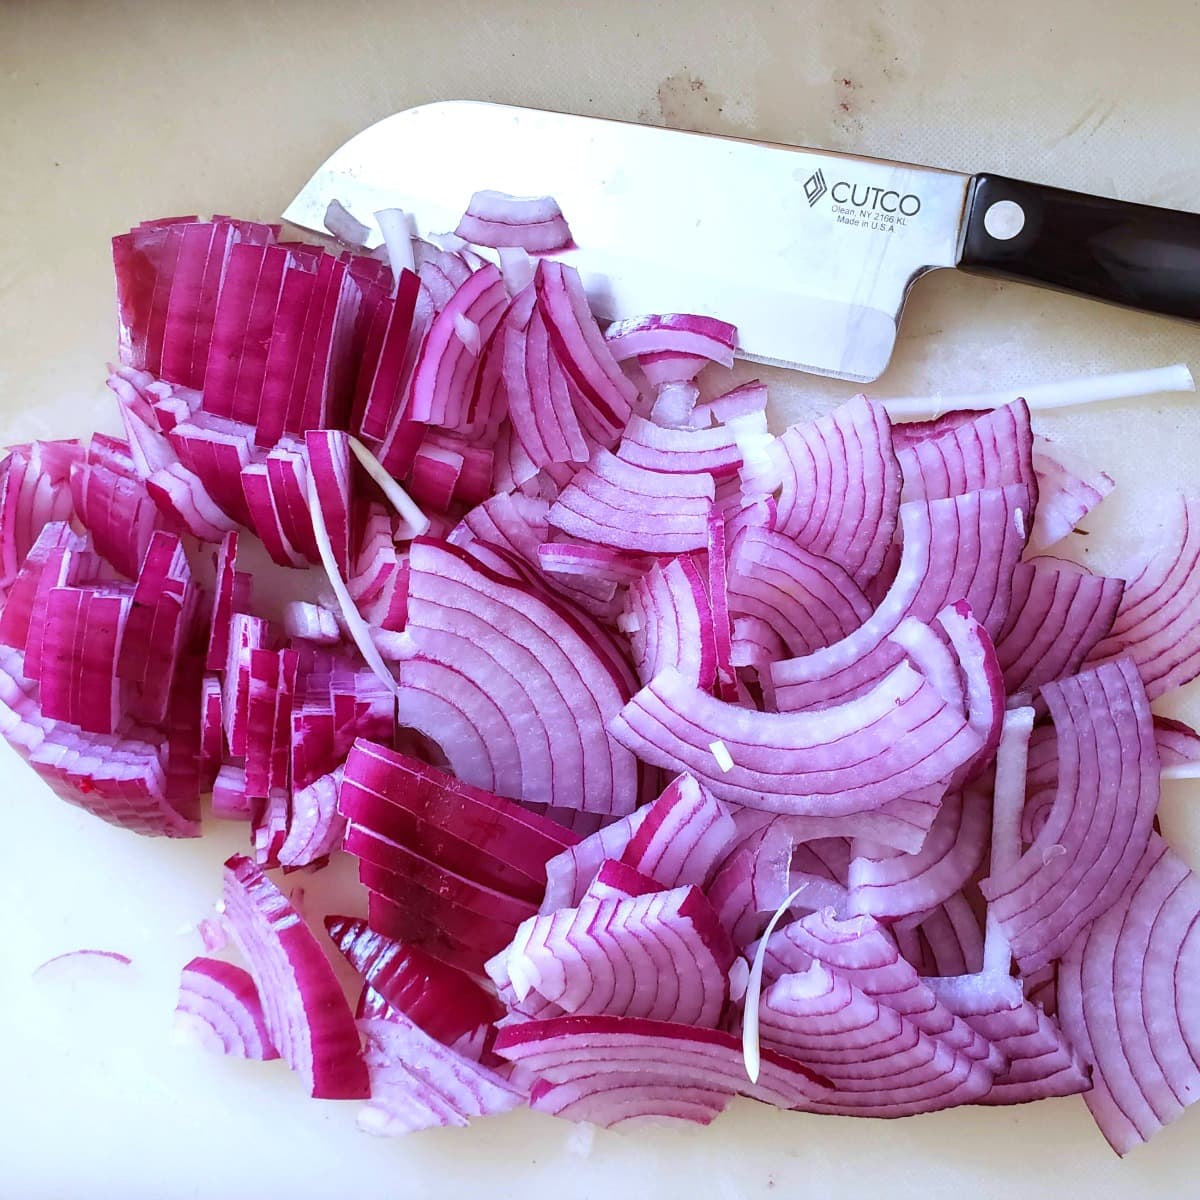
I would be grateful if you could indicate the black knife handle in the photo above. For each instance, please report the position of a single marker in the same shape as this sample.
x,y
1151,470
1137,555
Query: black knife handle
x,y
1129,254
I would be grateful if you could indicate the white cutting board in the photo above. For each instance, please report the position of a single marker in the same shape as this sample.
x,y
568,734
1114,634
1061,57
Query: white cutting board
x,y
112,113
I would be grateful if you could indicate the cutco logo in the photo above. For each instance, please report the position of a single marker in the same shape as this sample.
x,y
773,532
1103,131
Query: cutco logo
x,y
875,199
865,198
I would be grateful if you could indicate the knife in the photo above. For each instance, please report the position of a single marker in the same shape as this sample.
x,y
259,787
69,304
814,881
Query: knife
x,y
810,253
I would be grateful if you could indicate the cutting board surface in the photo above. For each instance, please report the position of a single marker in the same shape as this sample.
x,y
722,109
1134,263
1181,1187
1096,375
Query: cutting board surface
x,y
111,113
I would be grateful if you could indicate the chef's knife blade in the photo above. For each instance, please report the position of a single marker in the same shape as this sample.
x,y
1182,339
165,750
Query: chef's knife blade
x,y
810,253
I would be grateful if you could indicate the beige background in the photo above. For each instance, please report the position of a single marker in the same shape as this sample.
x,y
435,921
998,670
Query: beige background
x,y
110,113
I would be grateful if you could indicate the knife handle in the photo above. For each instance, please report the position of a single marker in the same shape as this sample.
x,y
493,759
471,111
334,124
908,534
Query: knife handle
x,y
1129,254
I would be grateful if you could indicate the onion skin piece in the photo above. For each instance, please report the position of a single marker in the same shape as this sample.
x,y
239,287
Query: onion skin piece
x,y
305,1011
1123,992
219,1007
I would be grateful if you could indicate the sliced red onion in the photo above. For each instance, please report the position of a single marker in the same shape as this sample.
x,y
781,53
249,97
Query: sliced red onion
x,y
471,832
569,872
618,881
580,347
1178,748
861,950
1156,623
418,1083
661,956
315,827
51,966
952,938
554,677
840,486
656,1068
683,836
398,232
1058,616
1008,801
229,799
1101,819
117,512
55,542
681,451
960,548
672,620
879,1062
615,503
443,379
212,734
888,884
672,348
990,450
306,1014
1068,489
219,1008
268,831
36,491
754,881
81,641
344,226
835,763
311,623
533,223
1040,1060
1123,992
806,601
444,1002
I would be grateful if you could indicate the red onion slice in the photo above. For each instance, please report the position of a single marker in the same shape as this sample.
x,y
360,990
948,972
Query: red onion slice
x,y
219,1008
714,450
615,503
582,350
1108,792
417,1083
878,1061
888,884
686,832
36,491
467,830
550,674
806,601
618,881
443,379
985,451
1156,624
1058,615
670,622
840,486
1123,992
569,872
960,548
442,1001
117,512
626,1052
834,763
861,950
533,223
1068,489
1040,1060
305,1012
660,956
